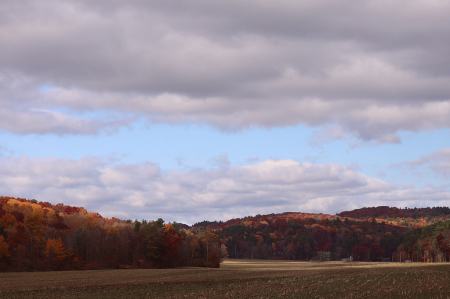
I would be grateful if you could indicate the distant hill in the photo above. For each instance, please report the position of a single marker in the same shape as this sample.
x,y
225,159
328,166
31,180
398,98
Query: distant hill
x,y
211,224
393,212
365,234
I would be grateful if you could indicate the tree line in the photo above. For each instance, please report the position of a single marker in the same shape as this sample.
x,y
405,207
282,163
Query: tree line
x,y
303,236
36,236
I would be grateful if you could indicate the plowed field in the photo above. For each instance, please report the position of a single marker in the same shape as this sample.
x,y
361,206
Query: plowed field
x,y
240,279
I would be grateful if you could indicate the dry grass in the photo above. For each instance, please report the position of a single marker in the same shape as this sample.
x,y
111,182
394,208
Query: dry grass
x,y
240,279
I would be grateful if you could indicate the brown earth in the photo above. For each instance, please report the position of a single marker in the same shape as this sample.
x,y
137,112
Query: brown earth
x,y
239,279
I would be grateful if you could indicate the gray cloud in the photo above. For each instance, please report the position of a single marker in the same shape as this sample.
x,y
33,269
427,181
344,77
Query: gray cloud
x,y
41,121
371,68
438,162
144,191
24,110
327,134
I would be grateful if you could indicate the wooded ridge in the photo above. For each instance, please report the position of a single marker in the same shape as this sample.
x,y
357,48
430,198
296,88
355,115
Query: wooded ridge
x,y
38,236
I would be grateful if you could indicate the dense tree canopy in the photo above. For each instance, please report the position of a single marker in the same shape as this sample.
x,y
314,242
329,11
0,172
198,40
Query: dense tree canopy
x,y
41,236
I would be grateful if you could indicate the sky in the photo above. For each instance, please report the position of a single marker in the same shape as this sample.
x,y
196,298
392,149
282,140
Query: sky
x,y
211,110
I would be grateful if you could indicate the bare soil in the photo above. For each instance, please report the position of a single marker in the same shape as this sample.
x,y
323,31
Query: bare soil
x,y
239,279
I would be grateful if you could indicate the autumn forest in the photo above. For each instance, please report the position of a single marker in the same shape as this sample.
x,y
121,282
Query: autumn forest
x,y
39,236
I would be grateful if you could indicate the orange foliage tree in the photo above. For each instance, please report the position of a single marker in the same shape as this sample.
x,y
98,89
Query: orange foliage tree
x,y
55,254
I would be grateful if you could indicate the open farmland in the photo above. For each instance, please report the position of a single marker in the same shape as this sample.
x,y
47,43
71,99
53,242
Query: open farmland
x,y
239,279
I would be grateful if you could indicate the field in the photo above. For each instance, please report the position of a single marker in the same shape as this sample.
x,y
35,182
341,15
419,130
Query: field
x,y
240,279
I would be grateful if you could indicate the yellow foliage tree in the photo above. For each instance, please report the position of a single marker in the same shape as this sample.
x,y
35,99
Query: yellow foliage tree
x,y
210,240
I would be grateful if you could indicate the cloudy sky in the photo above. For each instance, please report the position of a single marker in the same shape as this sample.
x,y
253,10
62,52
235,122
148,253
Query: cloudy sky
x,y
193,110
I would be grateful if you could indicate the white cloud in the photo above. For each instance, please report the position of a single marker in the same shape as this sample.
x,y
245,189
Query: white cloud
x,y
370,68
144,191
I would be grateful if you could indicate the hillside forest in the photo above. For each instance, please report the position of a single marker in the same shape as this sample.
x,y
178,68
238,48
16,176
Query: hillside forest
x,y
39,236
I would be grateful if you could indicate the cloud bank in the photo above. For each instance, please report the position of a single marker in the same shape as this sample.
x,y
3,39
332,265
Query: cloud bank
x,y
144,191
364,70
